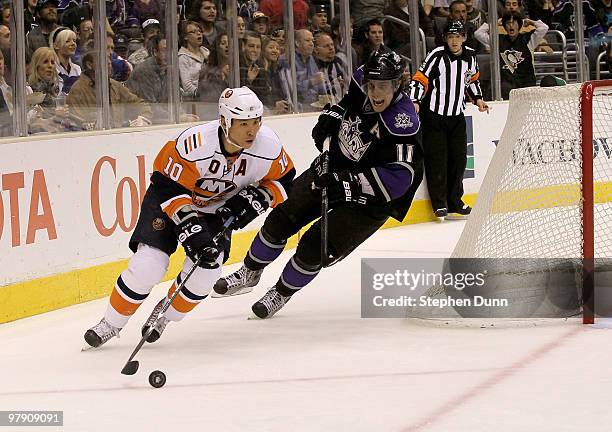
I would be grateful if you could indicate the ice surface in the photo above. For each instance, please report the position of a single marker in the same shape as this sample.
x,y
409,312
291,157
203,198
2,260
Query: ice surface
x,y
316,366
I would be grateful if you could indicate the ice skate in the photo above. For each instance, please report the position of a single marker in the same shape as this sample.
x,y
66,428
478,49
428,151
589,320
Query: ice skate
x,y
101,333
441,213
241,281
459,214
269,304
160,325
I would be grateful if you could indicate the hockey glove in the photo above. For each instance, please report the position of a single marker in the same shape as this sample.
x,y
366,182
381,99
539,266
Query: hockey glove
x,y
196,240
249,203
343,187
328,124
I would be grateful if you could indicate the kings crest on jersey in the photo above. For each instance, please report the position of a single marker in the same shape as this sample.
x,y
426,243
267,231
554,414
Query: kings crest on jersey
x,y
195,169
368,138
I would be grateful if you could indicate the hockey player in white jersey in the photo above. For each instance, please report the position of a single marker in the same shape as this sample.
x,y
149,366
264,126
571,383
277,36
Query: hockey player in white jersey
x,y
231,166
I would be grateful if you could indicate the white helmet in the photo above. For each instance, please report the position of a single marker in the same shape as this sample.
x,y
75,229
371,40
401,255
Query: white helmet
x,y
239,103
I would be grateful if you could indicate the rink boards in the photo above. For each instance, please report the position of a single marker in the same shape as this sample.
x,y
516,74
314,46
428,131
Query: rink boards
x,y
69,202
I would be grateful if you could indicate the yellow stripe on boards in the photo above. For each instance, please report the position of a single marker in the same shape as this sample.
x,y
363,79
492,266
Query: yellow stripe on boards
x,y
45,294
562,195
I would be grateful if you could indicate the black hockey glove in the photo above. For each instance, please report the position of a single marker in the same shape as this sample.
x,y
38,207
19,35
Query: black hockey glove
x,y
328,124
196,240
249,203
343,187
318,165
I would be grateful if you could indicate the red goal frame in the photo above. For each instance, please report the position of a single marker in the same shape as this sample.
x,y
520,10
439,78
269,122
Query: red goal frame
x,y
588,217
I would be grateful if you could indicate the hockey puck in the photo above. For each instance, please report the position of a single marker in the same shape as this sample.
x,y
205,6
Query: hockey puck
x,y
157,379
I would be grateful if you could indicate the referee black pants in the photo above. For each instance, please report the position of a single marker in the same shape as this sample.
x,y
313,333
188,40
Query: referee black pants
x,y
445,151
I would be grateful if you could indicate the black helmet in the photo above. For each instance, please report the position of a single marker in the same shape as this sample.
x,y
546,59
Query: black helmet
x,y
384,65
454,27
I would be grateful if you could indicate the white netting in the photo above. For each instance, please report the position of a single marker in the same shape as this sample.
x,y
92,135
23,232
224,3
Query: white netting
x,y
530,203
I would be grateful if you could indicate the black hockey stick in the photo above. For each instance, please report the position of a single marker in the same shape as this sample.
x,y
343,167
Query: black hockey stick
x,y
131,366
324,206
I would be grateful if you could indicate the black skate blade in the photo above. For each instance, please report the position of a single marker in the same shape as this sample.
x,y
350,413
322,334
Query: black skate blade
x,y
130,368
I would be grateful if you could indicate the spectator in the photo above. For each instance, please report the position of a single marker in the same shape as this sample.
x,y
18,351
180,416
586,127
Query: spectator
x,y
147,9
458,12
84,35
541,10
260,23
127,109
279,36
340,44
334,69
564,19
251,69
149,80
476,16
363,11
46,18
309,79
374,40
122,46
64,43
318,18
150,28
121,67
398,36
246,9
603,13
43,76
214,76
75,14
241,24
6,14
43,79
276,96
5,37
29,15
515,50
274,9
204,12
191,57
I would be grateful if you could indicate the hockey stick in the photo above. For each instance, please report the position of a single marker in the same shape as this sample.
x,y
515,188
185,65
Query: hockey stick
x,y
324,206
131,366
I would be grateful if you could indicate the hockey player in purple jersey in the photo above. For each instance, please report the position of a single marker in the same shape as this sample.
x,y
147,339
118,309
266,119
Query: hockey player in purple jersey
x,y
375,168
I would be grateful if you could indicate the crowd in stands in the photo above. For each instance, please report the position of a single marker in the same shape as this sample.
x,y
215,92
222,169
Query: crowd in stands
x,y
61,61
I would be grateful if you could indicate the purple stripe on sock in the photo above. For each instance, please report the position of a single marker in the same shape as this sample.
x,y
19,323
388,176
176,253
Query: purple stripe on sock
x,y
294,278
263,252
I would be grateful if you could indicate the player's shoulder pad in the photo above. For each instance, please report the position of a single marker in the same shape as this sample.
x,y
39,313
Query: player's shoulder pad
x,y
267,144
198,142
401,118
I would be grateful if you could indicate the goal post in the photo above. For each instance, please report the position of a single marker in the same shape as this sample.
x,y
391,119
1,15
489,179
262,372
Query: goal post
x,y
590,120
544,209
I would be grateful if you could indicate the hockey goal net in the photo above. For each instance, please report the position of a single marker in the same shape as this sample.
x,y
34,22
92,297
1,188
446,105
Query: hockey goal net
x,y
547,194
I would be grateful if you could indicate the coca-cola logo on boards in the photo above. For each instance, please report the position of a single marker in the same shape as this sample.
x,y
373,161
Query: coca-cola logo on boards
x,y
104,182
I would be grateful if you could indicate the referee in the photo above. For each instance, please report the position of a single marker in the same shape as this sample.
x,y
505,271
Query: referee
x,y
438,90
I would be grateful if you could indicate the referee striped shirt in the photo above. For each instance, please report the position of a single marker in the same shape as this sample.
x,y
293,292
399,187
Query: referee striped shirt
x,y
444,79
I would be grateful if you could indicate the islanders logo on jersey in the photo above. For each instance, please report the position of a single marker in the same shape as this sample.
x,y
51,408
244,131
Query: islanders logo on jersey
x,y
350,140
210,189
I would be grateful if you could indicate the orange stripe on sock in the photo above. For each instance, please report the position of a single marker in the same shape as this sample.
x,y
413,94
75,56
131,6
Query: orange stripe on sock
x,y
179,303
121,305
